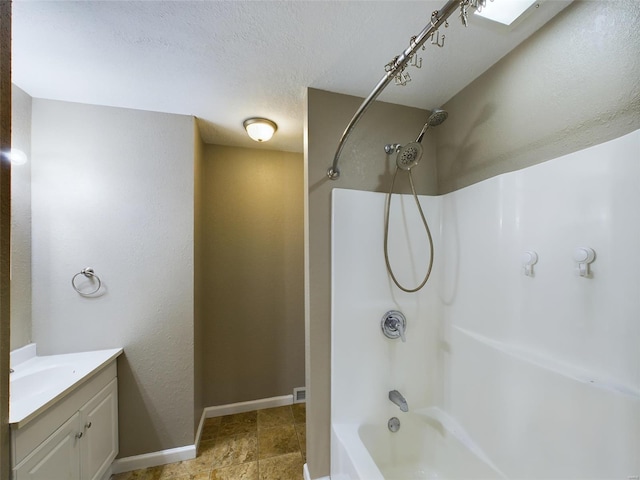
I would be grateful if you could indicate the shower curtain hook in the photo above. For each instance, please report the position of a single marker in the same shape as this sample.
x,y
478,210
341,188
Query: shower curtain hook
x,y
437,40
402,78
463,11
389,67
434,14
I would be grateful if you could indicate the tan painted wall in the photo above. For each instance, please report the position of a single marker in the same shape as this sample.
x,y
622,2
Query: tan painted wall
x,y
198,282
252,262
574,83
363,166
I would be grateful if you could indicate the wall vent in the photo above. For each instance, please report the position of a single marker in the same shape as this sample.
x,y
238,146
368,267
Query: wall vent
x,y
299,395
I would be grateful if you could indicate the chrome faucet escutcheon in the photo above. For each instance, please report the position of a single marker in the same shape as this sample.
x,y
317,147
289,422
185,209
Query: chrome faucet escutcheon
x,y
396,397
394,325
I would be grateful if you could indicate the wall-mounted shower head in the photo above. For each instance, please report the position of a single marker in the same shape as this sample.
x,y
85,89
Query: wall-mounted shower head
x,y
437,117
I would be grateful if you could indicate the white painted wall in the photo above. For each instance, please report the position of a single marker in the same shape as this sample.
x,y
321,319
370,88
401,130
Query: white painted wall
x,y
542,371
113,189
20,221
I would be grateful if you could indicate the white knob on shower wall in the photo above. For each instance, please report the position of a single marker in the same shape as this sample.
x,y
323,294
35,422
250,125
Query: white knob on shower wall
x,y
583,256
529,259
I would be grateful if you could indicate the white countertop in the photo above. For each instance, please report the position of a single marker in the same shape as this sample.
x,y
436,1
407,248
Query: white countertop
x,y
39,381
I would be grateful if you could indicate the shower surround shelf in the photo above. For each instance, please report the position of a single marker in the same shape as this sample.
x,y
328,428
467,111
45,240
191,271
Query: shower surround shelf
x,y
538,359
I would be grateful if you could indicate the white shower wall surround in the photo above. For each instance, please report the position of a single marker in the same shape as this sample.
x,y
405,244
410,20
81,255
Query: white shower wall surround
x,y
505,375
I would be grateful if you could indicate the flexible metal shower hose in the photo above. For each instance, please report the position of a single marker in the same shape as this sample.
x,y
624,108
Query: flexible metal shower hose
x,y
386,235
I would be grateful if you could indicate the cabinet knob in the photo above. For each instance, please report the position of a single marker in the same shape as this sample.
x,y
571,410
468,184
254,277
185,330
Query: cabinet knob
x,y
79,435
87,425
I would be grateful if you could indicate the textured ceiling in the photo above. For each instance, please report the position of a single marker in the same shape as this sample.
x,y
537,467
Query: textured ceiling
x,y
224,61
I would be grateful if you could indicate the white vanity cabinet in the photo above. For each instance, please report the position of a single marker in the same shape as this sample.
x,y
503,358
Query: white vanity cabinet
x,y
99,442
76,438
57,457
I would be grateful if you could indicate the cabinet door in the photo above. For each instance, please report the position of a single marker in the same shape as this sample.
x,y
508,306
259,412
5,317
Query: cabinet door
x,y
57,458
99,444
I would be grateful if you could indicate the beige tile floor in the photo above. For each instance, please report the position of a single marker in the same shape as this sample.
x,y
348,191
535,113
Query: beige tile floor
x,y
267,444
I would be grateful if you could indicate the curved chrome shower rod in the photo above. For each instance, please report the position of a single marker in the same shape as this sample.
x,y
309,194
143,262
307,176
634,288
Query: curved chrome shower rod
x,y
438,18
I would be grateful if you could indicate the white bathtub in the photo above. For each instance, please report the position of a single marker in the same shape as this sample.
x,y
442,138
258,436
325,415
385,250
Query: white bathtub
x,y
429,445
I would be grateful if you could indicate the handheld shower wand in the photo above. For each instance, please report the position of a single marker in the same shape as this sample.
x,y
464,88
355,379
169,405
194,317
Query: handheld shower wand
x,y
408,157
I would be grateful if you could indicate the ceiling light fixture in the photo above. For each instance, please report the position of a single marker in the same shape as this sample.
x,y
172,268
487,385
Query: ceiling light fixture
x,y
506,12
260,129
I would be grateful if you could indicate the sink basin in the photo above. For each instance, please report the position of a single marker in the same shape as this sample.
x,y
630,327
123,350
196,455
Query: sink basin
x,y
40,381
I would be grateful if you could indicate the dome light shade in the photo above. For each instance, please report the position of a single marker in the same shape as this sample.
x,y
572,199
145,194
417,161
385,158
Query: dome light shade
x,y
260,129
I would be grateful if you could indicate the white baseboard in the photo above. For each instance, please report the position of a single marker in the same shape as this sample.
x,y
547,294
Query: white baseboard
x,y
189,451
153,459
307,475
107,474
242,407
199,431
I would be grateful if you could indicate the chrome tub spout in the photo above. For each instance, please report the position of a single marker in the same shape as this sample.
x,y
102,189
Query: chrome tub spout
x,y
397,398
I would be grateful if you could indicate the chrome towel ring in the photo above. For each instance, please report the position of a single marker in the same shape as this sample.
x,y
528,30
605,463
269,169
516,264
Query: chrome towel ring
x,y
89,273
